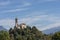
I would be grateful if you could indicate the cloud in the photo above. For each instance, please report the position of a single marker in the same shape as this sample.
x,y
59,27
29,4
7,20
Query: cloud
x,y
14,10
4,3
57,24
44,21
50,0
33,19
26,3
43,1
21,3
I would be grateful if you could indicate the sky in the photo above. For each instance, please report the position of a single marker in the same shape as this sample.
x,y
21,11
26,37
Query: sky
x,y
44,14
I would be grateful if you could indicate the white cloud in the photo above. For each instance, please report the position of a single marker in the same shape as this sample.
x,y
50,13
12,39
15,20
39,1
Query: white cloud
x,y
30,20
26,4
51,26
50,0
22,3
55,20
43,1
4,3
14,10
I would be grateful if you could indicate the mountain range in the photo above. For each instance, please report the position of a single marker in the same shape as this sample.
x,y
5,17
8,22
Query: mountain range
x,y
2,28
52,30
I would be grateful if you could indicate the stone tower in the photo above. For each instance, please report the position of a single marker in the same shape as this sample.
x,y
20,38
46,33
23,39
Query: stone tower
x,y
16,22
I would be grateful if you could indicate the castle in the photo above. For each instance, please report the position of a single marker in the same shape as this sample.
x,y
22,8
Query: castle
x,y
19,26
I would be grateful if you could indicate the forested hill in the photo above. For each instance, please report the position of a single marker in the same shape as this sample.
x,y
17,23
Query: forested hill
x,y
27,34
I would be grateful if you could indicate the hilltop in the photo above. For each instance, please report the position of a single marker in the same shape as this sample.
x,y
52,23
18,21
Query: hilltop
x,y
26,34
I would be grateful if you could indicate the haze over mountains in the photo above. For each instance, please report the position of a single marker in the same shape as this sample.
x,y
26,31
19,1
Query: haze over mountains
x,y
48,31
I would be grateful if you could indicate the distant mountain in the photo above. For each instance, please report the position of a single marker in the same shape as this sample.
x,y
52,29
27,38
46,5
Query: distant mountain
x,y
2,28
52,30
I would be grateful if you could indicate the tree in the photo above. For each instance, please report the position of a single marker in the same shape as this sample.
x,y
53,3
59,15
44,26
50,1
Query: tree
x,y
4,35
56,36
34,30
29,38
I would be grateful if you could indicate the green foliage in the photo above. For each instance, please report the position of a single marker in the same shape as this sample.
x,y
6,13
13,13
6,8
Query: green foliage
x,y
56,36
4,35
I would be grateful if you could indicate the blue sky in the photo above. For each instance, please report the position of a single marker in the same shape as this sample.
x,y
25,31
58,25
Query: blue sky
x,y
44,14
